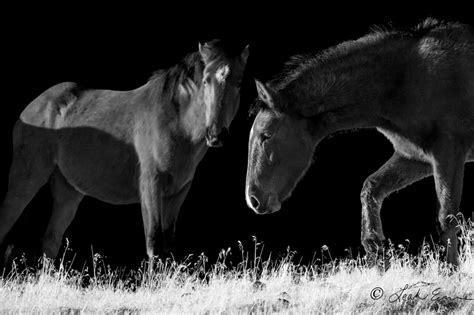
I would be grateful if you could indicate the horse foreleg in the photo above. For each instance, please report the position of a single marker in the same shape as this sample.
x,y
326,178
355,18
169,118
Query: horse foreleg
x,y
151,205
448,167
396,173
171,207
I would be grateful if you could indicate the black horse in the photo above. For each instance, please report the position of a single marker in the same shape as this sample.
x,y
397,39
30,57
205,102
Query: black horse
x,y
416,87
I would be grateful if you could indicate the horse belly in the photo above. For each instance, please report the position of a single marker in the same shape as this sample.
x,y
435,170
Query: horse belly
x,y
98,165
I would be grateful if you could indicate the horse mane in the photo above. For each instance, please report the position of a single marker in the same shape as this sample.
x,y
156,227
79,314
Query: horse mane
x,y
164,82
377,37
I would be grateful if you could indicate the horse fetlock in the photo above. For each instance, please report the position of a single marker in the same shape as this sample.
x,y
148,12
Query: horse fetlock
x,y
156,245
151,247
449,238
374,244
449,222
160,252
51,244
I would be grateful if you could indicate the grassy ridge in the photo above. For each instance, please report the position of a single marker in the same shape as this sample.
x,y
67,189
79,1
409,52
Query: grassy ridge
x,y
421,283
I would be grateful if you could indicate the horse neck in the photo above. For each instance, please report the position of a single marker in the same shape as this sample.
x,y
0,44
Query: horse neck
x,y
350,92
185,114
192,118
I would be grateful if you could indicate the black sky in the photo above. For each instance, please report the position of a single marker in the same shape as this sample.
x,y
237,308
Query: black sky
x,y
119,48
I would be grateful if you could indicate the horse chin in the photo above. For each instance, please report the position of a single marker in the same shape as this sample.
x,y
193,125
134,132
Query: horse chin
x,y
273,204
216,139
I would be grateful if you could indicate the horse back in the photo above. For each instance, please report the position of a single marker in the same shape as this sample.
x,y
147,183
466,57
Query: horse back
x,y
435,88
446,57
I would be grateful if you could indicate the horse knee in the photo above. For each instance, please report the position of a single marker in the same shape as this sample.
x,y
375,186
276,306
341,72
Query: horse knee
x,y
371,192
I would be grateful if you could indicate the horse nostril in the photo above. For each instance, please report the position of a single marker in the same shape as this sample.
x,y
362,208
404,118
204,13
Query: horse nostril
x,y
254,202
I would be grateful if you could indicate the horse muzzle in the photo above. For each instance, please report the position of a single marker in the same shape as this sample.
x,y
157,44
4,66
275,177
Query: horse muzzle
x,y
261,204
214,139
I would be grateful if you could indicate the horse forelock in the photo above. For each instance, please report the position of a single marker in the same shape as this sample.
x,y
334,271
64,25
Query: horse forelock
x,y
221,58
256,106
222,73
223,49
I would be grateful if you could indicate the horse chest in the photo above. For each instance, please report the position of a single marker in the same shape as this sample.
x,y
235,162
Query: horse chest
x,y
183,161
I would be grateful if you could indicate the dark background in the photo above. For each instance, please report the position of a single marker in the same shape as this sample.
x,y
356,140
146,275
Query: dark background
x,y
120,47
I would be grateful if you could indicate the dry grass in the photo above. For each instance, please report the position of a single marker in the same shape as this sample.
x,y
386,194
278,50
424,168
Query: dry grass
x,y
345,286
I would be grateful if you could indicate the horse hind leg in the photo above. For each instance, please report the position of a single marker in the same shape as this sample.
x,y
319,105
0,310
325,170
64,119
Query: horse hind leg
x,y
30,169
66,201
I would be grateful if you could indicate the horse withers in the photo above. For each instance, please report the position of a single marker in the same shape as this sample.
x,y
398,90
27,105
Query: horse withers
x,y
123,147
415,86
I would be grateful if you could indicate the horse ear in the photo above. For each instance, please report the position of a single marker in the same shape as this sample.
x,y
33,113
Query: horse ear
x,y
245,54
205,52
265,93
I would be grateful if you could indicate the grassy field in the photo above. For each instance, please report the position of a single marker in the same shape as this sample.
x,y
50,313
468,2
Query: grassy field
x,y
412,284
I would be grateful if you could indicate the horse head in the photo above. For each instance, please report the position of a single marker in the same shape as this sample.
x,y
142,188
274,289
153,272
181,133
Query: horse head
x,y
222,75
280,152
